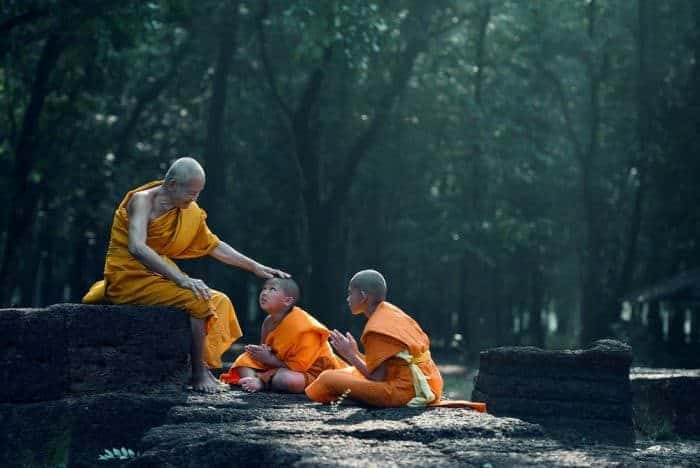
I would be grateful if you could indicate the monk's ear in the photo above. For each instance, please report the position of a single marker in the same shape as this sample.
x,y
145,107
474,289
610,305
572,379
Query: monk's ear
x,y
288,300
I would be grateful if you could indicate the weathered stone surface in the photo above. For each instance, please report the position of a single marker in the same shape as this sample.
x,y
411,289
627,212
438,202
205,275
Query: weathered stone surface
x,y
580,392
33,358
667,399
74,431
235,429
110,379
72,349
606,359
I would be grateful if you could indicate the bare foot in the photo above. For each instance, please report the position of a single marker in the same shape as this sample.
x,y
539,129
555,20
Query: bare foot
x,y
221,384
251,384
203,384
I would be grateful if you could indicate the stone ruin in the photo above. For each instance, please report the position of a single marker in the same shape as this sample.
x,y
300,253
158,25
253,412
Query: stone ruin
x,y
81,379
577,393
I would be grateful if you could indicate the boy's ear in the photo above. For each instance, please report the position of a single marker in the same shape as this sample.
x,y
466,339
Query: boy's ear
x,y
289,300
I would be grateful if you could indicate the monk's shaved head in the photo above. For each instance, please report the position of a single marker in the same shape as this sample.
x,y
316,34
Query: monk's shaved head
x,y
183,170
289,286
371,282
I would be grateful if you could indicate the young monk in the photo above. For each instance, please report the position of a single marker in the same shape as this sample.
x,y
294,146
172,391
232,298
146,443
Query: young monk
x,y
294,347
396,369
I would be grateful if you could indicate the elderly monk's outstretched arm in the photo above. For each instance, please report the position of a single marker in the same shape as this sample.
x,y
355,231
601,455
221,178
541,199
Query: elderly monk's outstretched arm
x,y
227,254
346,346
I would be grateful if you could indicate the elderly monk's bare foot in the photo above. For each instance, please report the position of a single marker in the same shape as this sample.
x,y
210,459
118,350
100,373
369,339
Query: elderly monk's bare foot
x,y
224,386
202,383
251,384
220,386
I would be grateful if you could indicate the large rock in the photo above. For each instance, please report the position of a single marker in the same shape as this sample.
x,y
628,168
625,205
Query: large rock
x,y
666,401
74,431
73,349
103,377
582,392
237,429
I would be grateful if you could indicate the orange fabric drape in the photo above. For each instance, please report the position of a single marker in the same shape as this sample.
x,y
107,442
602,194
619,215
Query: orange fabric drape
x,y
176,234
300,341
388,331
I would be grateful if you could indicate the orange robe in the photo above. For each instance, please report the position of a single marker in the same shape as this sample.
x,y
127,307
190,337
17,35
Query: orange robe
x,y
300,341
176,234
393,337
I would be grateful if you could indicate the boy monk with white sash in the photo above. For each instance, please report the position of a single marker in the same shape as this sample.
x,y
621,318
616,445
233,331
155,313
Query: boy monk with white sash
x,y
396,369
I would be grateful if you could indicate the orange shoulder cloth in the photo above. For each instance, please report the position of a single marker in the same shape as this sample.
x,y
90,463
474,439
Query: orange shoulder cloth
x,y
391,321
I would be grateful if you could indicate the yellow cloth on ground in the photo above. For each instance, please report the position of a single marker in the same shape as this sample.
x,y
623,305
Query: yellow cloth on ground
x,y
176,234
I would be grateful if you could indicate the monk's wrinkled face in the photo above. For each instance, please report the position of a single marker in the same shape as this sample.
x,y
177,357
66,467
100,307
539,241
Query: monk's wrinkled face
x,y
357,300
184,193
273,298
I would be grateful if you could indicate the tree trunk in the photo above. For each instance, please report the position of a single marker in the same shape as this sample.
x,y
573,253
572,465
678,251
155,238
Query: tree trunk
x,y
642,159
536,304
594,319
215,194
215,163
24,198
654,323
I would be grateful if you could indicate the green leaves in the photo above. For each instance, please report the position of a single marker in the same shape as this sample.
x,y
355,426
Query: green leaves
x,y
117,454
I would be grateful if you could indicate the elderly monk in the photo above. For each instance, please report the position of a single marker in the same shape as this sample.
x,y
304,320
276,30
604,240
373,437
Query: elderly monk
x,y
294,347
396,369
154,224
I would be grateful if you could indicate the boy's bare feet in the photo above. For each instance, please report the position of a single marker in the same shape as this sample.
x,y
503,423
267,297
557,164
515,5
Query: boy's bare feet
x,y
251,384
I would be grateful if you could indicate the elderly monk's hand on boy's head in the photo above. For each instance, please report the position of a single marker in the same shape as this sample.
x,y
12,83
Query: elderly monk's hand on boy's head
x,y
344,344
265,272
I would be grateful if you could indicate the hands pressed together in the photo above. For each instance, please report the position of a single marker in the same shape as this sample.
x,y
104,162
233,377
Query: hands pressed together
x,y
262,353
345,344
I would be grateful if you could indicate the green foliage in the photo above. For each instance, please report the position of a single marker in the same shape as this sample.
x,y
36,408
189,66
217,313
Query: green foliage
x,y
653,423
117,454
468,193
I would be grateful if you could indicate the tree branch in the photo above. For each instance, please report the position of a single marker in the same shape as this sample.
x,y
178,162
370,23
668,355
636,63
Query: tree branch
x,y
561,95
269,74
27,17
146,95
361,146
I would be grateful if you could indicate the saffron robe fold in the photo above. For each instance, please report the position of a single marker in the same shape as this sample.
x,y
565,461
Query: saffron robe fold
x,y
300,341
393,337
176,234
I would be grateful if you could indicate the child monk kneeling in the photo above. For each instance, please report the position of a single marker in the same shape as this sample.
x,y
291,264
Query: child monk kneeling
x,y
396,369
294,347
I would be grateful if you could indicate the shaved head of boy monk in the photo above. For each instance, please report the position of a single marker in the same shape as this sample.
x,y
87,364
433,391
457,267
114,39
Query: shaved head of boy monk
x,y
294,347
154,224
396,369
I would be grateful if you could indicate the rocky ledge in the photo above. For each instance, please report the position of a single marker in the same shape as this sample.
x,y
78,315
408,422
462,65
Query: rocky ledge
x,y
82,379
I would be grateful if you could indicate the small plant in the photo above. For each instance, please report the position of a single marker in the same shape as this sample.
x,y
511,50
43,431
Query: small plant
x,y
336,403
117,454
